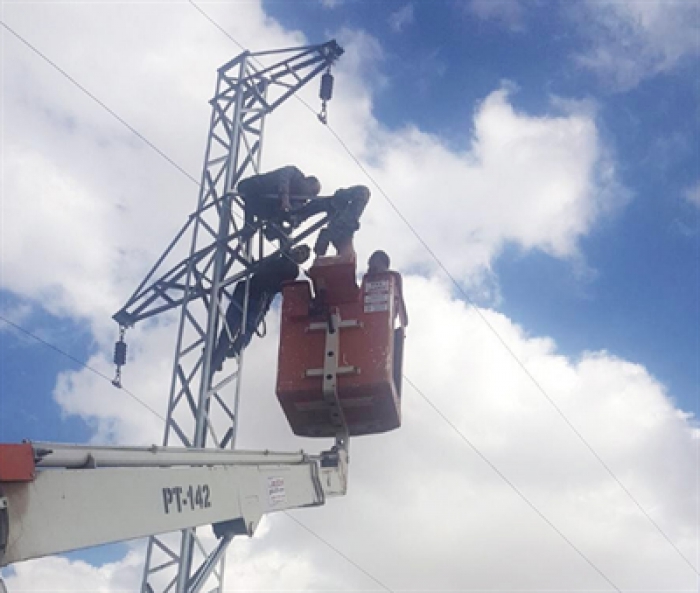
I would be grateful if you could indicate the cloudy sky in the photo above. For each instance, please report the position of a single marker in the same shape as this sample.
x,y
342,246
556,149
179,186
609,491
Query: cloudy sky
x,y
546,155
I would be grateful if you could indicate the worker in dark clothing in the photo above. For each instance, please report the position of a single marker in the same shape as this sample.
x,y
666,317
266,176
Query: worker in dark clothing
x,y
345,207
268,196
263,286
379,263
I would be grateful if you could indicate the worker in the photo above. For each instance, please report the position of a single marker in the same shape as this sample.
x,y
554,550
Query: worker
x,y
264,284
380,263
268,196
345,207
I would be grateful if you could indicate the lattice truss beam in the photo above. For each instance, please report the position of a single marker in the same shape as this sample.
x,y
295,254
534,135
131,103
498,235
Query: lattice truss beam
x,y
223,250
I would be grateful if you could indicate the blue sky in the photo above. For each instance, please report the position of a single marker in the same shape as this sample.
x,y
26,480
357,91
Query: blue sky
x,y
549,152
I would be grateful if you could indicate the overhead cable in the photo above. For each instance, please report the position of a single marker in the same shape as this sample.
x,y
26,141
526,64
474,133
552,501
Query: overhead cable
x,y
150,409
77,361
337,551
189,176
114,114
319,537
401,216
480,314
515,489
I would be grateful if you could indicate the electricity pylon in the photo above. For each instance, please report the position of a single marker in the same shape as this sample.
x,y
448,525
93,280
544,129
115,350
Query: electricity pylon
x,y
224,249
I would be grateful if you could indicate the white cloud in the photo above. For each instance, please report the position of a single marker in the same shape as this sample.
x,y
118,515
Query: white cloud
x,y
62,575
455,502
44,238
692,194
401,18
331,3
537,182
15,313
110,411
508,12
631,41
423,511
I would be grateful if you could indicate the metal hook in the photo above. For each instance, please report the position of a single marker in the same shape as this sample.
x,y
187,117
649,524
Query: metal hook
x,y
325,94
323,114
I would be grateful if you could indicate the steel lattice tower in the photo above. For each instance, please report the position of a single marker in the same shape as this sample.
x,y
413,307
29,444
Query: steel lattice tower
x,y
223,250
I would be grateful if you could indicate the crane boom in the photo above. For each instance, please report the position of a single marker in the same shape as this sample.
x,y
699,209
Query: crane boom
x,y
57,498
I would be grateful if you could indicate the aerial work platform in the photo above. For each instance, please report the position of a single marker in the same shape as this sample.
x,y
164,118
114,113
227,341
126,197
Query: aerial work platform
x,y
341,351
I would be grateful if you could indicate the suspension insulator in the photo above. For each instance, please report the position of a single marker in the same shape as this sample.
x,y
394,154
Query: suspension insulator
x,y
326,87
120,353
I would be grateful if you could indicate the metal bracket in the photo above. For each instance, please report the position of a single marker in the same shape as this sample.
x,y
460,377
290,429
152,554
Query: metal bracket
x,y
348,370
323,325
331,370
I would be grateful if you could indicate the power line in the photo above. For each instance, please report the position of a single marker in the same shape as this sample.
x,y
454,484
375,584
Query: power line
x,y
150,409
483,318
302,525
122,120
473,447
136,398
515,489
319,537
77,361
514,356
316,535
114,114
219,27
412,229
337,551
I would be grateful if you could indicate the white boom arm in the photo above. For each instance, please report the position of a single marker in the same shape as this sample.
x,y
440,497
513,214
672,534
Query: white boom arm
x,y
57,498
